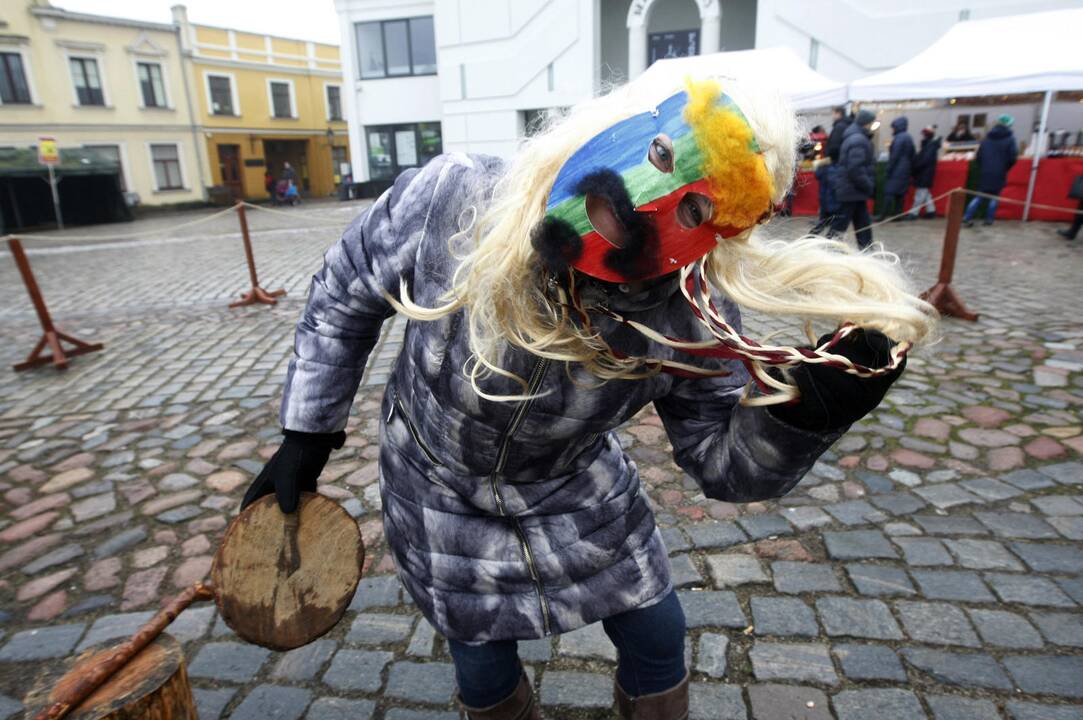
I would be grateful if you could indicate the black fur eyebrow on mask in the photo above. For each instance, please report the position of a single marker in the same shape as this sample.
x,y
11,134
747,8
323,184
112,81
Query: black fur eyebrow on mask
x,y
557,244
639,257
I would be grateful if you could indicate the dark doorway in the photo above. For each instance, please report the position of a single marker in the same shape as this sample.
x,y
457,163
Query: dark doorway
x,y
26,202
88,186
279,152
229,163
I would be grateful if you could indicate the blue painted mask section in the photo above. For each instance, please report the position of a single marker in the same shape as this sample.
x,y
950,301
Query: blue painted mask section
x,y
620,147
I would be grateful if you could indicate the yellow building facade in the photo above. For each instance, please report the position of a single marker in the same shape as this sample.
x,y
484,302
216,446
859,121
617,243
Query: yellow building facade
x,y
263,102
110,84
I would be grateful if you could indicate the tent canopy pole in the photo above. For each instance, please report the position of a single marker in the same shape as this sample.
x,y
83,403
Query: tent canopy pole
x,y
1038,147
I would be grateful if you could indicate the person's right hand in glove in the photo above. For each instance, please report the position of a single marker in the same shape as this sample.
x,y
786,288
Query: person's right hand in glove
x,y
294,467
832,399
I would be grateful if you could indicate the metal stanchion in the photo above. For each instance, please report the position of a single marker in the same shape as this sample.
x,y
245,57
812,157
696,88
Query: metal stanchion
x,y
942,296
256,294
51,336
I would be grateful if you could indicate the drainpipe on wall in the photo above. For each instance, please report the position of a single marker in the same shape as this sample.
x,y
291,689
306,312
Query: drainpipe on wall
x,y
180,31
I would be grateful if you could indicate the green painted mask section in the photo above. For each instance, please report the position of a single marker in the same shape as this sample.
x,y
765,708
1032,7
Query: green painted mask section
x,y
644,181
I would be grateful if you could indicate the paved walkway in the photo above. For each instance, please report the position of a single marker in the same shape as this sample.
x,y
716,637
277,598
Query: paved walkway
x,y
931,565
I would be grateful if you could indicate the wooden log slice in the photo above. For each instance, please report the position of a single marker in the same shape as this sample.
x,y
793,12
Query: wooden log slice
x,y
151,686
283,581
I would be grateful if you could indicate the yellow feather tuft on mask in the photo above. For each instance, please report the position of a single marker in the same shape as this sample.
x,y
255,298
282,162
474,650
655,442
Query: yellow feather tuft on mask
x,y
740,185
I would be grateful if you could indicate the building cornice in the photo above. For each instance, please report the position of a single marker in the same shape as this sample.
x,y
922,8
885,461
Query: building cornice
x,y
98,127
80,45
268,131
59,14
201,60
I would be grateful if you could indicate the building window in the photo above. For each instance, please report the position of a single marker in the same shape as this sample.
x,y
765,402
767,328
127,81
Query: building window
x,y
88,84
682,43
14,90
167,173
111,153
151,85
334,102
281,100
394,148
394,48
221,92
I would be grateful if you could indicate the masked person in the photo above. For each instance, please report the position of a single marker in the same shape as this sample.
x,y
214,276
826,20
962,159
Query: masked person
x,y
550,300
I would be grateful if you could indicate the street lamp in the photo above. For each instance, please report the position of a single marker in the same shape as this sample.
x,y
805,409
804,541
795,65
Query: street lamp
x,y
330,136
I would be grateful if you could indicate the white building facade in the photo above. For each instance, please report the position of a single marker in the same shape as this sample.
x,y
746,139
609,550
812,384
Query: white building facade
x,y
474,75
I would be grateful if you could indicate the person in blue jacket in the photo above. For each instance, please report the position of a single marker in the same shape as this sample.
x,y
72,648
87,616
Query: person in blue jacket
x,y
996,156
899,168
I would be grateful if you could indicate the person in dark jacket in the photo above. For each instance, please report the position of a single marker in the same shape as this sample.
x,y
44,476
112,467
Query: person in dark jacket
x,y
826,174
855,182
838,129
899,168
1075,193
509,506
996,155
925,175
961,133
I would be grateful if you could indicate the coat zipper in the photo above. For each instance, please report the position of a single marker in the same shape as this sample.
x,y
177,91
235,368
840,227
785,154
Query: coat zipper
x,y
537,374
414,433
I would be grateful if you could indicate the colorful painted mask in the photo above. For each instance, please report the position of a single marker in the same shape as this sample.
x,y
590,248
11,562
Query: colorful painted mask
x,y
656,191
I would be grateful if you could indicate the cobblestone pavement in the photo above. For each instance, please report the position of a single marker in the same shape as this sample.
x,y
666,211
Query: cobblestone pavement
x,y
931,565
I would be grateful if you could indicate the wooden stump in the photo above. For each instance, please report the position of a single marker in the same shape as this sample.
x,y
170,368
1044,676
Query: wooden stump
x,y
154,685
281,581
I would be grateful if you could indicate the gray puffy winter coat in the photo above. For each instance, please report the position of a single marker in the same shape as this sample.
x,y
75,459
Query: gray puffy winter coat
x,y
515,520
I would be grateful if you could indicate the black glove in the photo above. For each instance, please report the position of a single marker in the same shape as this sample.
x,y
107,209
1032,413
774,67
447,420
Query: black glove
x,y
832,398
294,467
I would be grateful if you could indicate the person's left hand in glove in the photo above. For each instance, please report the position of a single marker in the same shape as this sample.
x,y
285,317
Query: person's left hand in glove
x,y
832,399
295,467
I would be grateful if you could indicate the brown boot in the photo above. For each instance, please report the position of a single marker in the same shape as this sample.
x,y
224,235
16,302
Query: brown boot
x,y
520,705
666,705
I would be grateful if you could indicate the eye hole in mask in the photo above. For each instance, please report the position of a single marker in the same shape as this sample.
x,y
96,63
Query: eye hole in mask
x,y
660,153
694,210
603,218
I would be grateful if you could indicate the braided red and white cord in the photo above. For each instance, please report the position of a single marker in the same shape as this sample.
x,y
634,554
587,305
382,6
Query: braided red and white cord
x,y
727,343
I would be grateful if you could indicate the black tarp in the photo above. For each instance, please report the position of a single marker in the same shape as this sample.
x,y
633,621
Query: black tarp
x,y
88,183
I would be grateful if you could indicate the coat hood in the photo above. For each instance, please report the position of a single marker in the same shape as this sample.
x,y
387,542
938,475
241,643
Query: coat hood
x,y
855,129
900,124
999,132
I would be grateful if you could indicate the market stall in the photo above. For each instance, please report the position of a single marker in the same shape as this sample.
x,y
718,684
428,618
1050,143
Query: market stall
x,y
1044,58
88,189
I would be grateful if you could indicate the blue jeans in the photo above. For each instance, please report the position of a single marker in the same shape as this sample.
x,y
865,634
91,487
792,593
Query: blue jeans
x,y
650,656
972,209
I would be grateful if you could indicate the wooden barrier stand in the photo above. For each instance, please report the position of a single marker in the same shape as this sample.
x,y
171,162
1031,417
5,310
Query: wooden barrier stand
x,y
50,335
942,296
256,294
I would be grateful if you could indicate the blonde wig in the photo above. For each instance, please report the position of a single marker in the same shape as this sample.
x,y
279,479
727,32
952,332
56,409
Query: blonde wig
x,y
509,299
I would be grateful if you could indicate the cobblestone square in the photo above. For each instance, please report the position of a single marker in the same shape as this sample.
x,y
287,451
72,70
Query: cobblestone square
x,y
930,565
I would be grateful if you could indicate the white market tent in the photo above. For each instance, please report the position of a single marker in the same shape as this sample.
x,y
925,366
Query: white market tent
x,y
806,88
1000,56
1038,52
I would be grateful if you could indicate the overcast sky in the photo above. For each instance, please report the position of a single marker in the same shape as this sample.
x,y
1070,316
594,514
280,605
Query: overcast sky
x,y
303,19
